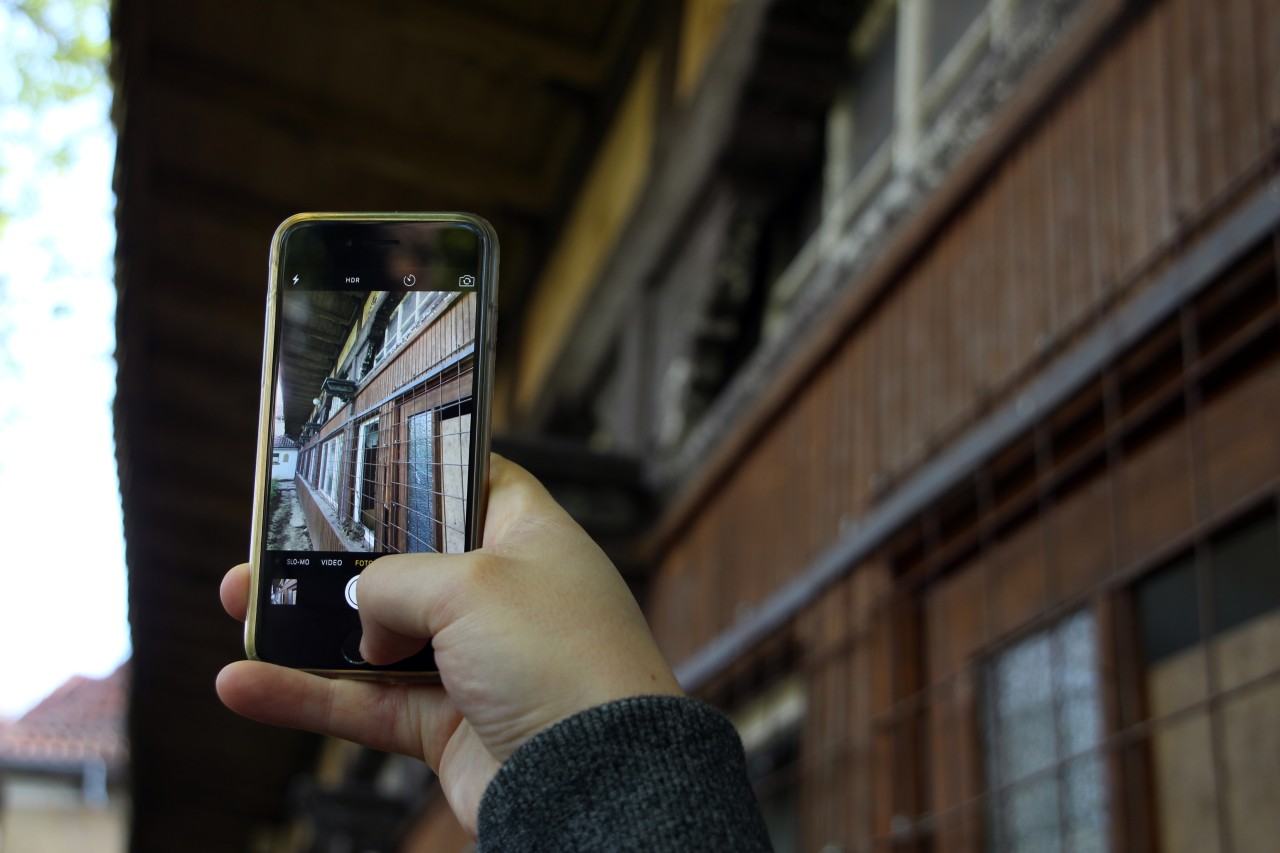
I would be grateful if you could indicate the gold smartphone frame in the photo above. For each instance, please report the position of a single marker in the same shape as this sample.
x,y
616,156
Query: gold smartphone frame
x,y
482,396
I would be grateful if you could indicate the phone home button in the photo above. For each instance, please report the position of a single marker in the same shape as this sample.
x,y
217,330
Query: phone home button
x,y
351,648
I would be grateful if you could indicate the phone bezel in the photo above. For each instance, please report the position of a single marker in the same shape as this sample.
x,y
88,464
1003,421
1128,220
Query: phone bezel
x,y
487,287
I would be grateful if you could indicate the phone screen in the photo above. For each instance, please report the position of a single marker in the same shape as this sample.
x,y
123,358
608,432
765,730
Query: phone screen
x,y
379,347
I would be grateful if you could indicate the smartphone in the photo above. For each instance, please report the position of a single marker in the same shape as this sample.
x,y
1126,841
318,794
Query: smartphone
x,y
373,433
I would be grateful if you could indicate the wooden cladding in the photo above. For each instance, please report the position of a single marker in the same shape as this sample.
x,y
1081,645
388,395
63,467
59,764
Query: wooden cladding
x,y
1170,125
1168,465
1152,464
423,354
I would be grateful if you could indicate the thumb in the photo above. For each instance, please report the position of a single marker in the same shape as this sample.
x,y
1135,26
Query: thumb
x,y
405,599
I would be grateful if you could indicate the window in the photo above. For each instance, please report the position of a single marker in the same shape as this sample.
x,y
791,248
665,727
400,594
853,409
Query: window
x,y
365,501
412,311
423,491
1043,721
455,444
391,337
909,60
420,307
770,727
331,467
873,86
1210,691
948,22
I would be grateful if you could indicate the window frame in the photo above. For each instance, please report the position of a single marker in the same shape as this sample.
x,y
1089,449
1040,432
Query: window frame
x,y
1000,791
331,467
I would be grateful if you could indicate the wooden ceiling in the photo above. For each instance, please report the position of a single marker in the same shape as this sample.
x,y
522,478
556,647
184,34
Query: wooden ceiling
x,y
231,116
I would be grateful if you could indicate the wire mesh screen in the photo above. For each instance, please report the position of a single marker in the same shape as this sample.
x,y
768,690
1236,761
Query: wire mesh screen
x,y
387,469
422,484
1079,648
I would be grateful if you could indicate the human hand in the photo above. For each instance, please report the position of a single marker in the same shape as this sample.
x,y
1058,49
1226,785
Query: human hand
x,y
532,628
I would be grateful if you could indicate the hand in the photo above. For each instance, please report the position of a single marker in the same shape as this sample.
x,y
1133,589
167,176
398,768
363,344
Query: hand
x,y
530,629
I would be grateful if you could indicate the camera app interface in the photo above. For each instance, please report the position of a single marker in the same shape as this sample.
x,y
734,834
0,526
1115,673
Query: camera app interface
x,y
373,405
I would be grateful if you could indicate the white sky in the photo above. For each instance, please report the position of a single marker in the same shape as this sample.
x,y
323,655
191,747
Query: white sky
x,y
63,600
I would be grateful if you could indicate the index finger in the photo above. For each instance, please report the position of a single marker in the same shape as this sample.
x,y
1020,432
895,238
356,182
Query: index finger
x,y
235,591
515,497
414,720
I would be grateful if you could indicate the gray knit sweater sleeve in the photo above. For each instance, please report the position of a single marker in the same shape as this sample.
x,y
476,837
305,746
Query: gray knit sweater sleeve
x,y
650,773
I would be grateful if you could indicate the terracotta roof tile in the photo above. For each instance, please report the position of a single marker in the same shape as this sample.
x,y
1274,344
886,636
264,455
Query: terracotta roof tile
x,y
80,721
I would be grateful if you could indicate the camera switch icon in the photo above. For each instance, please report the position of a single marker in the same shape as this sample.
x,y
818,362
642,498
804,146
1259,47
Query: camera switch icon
x,y
466,281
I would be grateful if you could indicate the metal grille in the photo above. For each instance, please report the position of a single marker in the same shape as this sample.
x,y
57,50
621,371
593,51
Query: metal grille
x,y
1079,648
422,483
1140,518
388,471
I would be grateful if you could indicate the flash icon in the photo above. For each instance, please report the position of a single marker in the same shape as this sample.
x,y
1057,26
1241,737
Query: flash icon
x,y
295,279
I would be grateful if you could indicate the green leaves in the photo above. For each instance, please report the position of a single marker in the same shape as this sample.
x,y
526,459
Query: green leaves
x,y
57,54
59,51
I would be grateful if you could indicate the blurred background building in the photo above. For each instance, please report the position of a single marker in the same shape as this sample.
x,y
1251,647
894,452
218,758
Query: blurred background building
x,y
917,361
63,770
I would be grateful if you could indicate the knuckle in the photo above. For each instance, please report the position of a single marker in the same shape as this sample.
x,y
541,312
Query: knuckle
x,y
482,569
522,493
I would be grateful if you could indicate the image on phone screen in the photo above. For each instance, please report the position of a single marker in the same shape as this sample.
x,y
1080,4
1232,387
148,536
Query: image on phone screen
x,y
374,406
